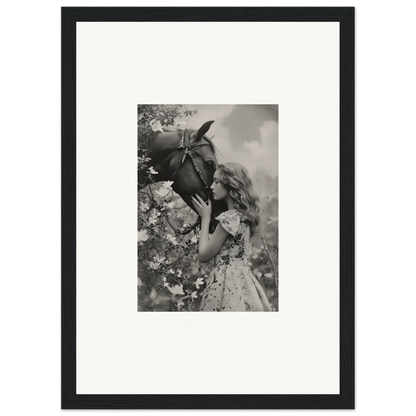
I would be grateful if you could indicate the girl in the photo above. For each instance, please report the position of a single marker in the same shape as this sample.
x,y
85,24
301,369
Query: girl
x,y
231,285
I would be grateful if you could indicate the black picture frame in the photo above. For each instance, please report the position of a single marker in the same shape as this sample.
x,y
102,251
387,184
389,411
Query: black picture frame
x,y
69,398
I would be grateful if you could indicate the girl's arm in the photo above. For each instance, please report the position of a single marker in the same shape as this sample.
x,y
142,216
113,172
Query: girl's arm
x,y
209,247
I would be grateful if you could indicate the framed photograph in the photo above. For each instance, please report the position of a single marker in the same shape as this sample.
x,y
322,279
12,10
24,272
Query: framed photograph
x,y
208,166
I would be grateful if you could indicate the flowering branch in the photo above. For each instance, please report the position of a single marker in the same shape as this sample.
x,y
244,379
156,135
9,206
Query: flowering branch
x,y
276,278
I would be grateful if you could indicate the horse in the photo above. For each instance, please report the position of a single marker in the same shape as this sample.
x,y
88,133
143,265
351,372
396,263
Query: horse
x,y
188,158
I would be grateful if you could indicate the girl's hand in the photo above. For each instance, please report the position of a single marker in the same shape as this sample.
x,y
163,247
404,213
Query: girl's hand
x,y
201,207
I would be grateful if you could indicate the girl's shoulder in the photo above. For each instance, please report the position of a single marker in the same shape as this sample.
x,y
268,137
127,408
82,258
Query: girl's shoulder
x,y
230,220
230,214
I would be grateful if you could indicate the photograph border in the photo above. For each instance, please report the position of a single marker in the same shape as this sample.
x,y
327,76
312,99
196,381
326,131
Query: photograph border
x,y
69,398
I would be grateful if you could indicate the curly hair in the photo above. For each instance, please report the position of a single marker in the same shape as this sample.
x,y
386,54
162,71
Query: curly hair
x,y
234,177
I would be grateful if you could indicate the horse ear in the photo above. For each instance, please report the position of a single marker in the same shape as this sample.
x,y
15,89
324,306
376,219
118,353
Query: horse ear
x,y
203,129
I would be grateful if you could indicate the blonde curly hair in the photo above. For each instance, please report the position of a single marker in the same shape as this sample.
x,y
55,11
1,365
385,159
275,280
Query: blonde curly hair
x,y
234,177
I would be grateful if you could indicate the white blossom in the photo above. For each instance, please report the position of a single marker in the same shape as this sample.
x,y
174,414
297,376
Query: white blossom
x,y
155,213
153,265
152,171
158,259
171,239
152,220
142,235
199,281
162,192
144,206
176,290
167,184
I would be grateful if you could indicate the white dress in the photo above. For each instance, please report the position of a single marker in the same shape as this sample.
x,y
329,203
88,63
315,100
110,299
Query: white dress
x,y
231,285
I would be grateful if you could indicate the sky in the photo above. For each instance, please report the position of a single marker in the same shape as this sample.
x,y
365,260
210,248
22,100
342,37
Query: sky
x,y
247,134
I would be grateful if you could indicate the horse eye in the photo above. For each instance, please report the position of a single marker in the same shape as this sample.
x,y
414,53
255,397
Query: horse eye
x,y
210,164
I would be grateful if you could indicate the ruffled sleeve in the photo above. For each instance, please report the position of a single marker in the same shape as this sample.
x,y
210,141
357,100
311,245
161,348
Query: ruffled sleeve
x,y
230,221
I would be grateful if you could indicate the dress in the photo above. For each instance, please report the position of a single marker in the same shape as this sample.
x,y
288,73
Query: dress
x,y
231,285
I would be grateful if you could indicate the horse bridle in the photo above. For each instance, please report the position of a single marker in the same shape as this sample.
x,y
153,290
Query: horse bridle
x,y
186,145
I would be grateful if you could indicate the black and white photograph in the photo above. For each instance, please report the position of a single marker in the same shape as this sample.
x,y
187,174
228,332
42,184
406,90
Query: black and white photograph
x,y
207,176
208,208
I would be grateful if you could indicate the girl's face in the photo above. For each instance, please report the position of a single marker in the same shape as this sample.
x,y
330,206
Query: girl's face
x,y
218,190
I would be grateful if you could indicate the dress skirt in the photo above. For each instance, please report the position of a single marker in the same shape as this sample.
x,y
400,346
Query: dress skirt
x,y
234,288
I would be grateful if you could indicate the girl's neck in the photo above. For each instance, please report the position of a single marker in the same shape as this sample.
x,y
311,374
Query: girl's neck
x,y
230,203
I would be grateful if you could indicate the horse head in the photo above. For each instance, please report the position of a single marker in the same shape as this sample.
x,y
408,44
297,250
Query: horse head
x,y
188,158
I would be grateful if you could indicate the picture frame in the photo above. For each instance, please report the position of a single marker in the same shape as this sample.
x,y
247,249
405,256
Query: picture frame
x,y
71,398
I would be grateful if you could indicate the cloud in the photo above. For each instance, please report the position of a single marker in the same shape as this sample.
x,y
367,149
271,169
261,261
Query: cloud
x,y
209,112
254,155
265,151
